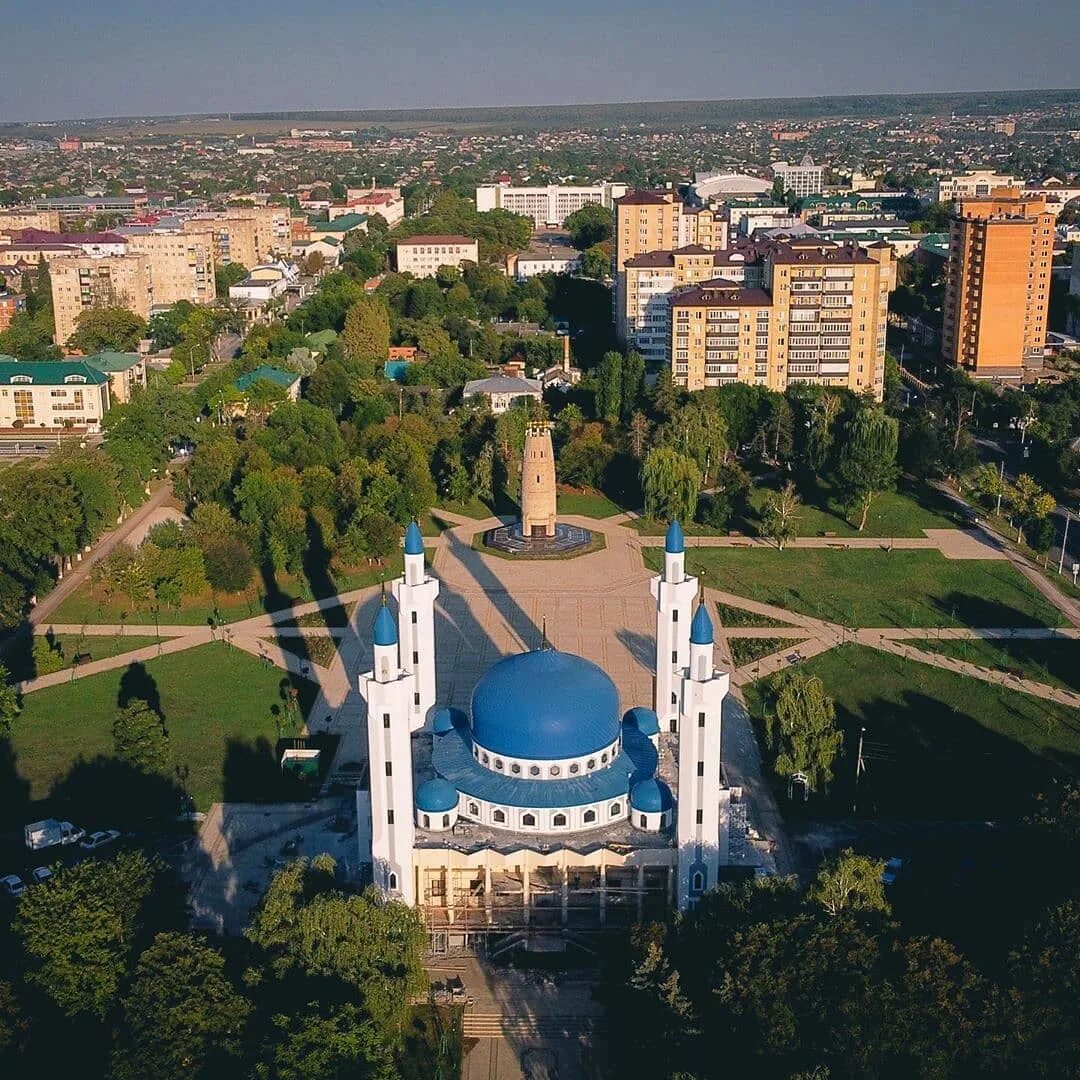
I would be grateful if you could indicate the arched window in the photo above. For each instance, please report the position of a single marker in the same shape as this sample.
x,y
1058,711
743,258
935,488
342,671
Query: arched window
x,y
534,770
528,820
697,882
474,809
674,725
591,763
616,809
575,769
427,822
446,821
515,768
391,881
559,821
643,821
555,770
590,817
603,758
483,759
499,816
498,764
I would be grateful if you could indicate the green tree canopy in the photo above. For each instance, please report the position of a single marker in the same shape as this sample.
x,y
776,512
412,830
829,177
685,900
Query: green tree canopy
x,y
139,737
107,328
802,731
868,459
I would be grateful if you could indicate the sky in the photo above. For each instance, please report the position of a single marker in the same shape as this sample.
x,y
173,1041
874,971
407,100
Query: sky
x,y
97,58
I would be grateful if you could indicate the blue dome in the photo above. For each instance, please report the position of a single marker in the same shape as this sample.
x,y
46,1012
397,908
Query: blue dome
x,y
436,796
385,632
651,797
414,542
701,632
546,704
643,719
674,544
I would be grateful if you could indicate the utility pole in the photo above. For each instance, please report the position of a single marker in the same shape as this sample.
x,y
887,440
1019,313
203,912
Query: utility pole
x,y
859,768
1001,489
1064,541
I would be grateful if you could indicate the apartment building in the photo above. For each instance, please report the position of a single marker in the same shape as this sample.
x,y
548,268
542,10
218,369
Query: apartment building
x,y
997,284
645,221
181,265
977,184
52,394
387,202
248,235
421,256
704,226
17,220
800,180
81,282
818,316
642,312
550,205
11,304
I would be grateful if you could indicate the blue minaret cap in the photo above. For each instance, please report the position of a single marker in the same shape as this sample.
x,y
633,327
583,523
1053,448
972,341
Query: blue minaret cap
x,y
414,542
673,542
385,627
701,632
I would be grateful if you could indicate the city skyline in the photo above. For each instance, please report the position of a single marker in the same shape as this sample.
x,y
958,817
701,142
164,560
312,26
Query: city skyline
x,y
414,54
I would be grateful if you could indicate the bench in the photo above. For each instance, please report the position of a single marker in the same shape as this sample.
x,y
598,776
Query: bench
x,y
81,658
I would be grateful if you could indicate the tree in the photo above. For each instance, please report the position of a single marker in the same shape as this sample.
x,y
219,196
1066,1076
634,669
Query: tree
x,y
107,329
609,384
819,439
182,1017
633,384
591,225
228,563
849,882
671,482
802,731
366,337
638,434
1029,503
78,933
595,262
226,275
868,459
778,194
380,535
585,458
139,737
48,657
780,515
9,703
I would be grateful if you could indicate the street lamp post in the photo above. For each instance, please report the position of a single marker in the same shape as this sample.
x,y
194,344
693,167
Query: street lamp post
x,y
1064,541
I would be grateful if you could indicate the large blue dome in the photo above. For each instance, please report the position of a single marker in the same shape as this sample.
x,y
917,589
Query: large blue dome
x,y
545,705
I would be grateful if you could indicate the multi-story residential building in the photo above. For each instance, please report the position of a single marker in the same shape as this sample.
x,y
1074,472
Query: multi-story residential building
x,y
997,284
248,235
745,217
550,205
800,180
387,202
17,220
703,225
818,317
421,256
52,394
81,282
11,304
976,184
642,312
645,221
126,373
181,265
88,243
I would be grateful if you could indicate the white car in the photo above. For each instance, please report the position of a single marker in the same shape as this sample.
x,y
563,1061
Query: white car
x,y
99,839
13,885
41,874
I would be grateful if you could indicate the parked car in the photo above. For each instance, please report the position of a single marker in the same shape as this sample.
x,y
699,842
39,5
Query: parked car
x,y
13,885
99,839
892,870
41,874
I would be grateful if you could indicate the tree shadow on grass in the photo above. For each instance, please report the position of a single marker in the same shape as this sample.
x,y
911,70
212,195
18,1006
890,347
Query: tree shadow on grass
x,y
107,792
14,789
137,684
982,611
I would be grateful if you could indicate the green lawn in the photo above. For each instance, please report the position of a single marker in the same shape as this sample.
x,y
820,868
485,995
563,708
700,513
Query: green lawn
x,y
20,660
474,508
586,502
221,709
1056,663
433,1043
736,616
938,745
747,650
316,648
84,606
872,587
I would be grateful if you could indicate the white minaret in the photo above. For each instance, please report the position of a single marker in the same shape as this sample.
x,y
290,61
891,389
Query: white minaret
x,y
415,592
701,828
389,692
674,593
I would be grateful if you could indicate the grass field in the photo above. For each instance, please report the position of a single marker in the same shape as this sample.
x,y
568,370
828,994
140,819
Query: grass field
x,y
938,745
747,650
84,606
318,648
221,708
474,508
871,587
586,502
735,616
1056,663
20,660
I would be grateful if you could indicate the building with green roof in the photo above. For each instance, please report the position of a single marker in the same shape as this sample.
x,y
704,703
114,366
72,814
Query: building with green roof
x,y
126,371
46,395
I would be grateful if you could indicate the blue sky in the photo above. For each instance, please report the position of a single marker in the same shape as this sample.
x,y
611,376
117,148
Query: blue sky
x,y
120,57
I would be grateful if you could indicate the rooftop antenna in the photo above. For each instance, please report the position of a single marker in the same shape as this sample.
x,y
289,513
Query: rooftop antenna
x,y
543,634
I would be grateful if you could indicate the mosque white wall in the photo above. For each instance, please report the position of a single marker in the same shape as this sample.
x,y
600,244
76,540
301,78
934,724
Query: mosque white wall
x,y
568,819
547,768
675,593
416,592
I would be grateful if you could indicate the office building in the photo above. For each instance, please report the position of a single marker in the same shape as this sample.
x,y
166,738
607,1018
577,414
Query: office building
x,y
81,282
977,184
997,284
421,256
550,205
52,394
818,317
800,180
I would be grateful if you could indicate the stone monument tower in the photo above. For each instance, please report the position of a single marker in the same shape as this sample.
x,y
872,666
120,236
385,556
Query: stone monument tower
x,y
538,483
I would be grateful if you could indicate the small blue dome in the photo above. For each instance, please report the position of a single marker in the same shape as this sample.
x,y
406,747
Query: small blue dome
x,y
545,704
643,719
674,544
446,720
651,797
414,542
385,632
701,632
436,796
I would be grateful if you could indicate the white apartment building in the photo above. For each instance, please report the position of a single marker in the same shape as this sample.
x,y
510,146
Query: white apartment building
x,y
976,184
421,256
800,180
550,205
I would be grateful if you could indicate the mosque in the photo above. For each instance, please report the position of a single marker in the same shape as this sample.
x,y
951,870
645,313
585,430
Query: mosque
x,y
546,809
